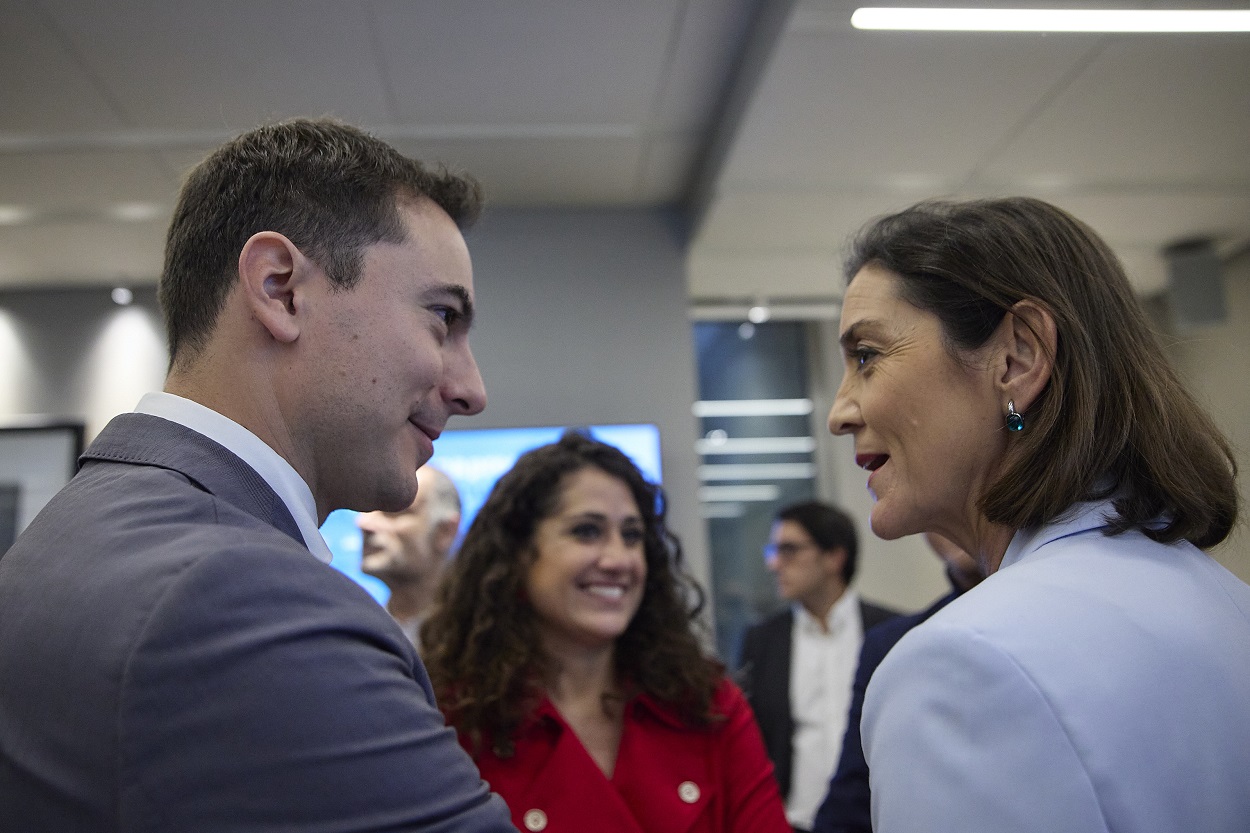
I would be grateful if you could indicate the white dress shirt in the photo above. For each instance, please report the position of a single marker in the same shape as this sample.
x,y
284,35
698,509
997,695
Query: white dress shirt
x,y
822,669
251,449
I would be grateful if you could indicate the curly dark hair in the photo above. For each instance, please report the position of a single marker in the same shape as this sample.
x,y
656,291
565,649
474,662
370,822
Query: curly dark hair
x,y
481,643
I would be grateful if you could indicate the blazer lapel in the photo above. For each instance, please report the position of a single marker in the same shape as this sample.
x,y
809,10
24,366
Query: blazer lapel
x,y
560,787
663,767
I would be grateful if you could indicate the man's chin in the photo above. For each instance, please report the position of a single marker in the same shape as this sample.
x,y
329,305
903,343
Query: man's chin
x,y
376,567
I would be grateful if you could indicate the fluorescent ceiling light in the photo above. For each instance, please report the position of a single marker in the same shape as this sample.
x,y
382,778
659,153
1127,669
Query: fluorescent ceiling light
x,y
758,471
12,215
755,445
752,407
734,494
1052,20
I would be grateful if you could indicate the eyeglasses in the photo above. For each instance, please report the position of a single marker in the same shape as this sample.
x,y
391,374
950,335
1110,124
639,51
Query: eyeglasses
x,y
785,549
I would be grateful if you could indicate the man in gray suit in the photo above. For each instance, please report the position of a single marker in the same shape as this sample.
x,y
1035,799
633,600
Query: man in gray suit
x,y
174,652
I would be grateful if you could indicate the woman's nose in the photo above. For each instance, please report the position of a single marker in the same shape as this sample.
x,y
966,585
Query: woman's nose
x,y
844,415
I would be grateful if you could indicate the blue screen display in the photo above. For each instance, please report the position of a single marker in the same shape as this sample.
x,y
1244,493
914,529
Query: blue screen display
x,y
474,459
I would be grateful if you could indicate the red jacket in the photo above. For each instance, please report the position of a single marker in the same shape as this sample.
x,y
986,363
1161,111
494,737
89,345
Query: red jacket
x,y
669,777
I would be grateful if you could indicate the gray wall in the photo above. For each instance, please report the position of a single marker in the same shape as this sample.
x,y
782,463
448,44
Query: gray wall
x,y
1215,362
582,320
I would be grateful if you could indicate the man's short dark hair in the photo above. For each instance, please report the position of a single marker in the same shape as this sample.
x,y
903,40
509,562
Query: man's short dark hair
x,y
330,188
829,527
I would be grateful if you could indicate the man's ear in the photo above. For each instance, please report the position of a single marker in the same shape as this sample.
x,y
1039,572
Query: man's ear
x,y
272,274
836,559
1029,339
445,533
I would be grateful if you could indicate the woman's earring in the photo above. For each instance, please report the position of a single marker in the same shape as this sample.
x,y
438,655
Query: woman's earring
x,y
1015,422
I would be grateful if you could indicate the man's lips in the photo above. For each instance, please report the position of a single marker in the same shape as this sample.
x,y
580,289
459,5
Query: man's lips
x,y
429,431
871,462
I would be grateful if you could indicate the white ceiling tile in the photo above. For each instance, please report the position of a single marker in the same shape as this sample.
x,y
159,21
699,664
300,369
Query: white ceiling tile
x,y
864,107
541,171
1148,109
57,181
811,220
1143,218
483,61
710,42
81,254
790,275
33,62
226,64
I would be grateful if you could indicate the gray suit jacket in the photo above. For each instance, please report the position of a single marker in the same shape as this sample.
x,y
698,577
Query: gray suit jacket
x,y
173,658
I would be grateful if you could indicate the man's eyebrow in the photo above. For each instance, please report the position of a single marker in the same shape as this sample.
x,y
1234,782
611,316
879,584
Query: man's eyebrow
x,y
461,294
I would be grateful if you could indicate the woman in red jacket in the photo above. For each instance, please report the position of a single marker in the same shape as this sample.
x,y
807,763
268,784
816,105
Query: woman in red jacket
x,y
563,654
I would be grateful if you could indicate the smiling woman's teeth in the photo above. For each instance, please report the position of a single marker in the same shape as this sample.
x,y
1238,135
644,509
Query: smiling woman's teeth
x,y
607,591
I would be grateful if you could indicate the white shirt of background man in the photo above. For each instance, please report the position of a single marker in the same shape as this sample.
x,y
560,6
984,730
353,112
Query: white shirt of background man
x,y
822,669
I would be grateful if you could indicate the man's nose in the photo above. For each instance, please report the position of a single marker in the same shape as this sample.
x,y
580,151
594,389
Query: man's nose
x,y
464,387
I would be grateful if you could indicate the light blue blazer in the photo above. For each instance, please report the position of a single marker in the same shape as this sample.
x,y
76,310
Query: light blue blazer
x,y
1092,684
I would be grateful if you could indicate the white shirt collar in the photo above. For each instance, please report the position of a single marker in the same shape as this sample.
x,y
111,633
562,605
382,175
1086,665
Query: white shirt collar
x,y
270,465
843,611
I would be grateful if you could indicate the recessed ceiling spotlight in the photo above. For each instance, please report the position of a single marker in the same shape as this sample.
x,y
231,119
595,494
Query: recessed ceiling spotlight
x,y
12,215
135,212
122,296
758,314
1052,20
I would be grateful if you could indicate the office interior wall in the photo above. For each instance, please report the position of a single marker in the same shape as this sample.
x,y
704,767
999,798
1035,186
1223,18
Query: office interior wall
x,y
73,353
582,319
1213,361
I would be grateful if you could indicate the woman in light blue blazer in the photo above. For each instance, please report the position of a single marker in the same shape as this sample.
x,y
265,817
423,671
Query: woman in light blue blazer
x,y
1004,389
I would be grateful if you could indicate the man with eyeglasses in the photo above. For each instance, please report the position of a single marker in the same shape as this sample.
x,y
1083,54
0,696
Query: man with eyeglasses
x,y
797,666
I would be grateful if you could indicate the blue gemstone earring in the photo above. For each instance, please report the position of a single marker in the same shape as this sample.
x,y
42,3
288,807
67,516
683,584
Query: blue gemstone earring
x,y
1015,422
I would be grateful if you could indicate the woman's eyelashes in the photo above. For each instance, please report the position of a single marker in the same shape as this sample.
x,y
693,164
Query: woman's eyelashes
x,y
860,356
589,532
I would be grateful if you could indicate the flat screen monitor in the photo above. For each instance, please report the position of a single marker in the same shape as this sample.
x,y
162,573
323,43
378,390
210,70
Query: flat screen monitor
x,y
37,458
474,459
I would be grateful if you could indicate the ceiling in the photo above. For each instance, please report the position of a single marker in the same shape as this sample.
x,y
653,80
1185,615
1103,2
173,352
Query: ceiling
x,y
774,126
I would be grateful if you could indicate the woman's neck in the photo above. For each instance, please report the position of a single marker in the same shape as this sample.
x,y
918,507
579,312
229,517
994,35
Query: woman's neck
x,y
582,685
990,545
577,672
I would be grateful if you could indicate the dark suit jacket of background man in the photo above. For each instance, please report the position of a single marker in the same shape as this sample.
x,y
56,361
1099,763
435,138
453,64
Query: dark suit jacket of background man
x,y
765,677
847,807
214,676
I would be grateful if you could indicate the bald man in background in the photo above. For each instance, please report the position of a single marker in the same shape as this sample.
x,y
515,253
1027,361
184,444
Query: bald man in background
x,y
408,550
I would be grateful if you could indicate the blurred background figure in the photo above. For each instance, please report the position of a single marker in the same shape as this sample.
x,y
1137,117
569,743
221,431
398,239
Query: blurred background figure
x,y
848,804
562,652
797,665
1004,387
409,550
